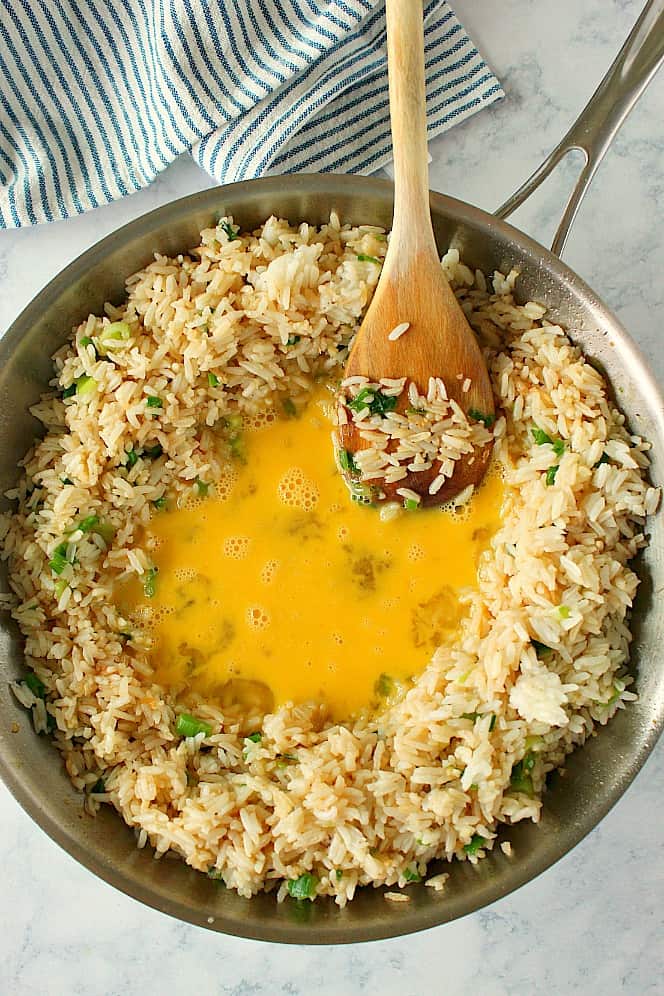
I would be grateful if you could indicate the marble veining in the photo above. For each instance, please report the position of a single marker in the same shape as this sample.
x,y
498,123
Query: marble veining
x,y
593,923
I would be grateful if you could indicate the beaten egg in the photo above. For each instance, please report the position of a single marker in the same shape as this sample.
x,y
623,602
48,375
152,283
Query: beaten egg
x,y
278,586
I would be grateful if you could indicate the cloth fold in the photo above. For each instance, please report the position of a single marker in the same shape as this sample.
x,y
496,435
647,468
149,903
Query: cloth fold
x,y
98,96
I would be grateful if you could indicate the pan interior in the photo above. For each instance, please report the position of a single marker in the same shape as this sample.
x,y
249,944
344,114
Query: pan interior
x,y
595,777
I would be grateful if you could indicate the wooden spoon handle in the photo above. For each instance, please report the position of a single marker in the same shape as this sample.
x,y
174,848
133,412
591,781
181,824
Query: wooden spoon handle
x,y
405,55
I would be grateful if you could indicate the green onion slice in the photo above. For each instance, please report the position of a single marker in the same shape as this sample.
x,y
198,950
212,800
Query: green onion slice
x,y
231,233
59,560
189,726
475,844
35,684
150,582
551,475
347,462
112,336
377,402
85,386
479,416
303,887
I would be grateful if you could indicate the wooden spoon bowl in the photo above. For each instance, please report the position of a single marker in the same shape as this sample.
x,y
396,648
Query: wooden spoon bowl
x,y
412,288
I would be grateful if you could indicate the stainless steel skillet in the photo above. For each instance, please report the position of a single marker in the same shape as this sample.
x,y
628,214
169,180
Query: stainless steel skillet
x,y
598,774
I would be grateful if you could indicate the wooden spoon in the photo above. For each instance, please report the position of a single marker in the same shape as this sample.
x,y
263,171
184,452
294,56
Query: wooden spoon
x,y
412,287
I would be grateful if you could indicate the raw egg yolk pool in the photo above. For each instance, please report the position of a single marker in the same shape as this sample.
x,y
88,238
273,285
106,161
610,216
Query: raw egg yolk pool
x,y
278,583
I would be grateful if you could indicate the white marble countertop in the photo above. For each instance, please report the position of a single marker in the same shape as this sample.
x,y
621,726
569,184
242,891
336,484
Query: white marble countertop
x,y
594,922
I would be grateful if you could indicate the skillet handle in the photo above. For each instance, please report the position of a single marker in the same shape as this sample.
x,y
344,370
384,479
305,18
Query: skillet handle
x,y
592,133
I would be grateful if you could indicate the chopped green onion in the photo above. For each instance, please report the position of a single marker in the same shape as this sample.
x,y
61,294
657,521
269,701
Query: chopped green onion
x,y
85,385
114,334
289,407
379,404
238,449
603,459
51,724
286,758
551,475
470,715
125,636
540,648
233,422
558,447
150,582
201,487
99,787
60,587
487,420
153,452
88,524
82,386
541,437
293,340
384,685
188,726
255,737
216,875
493,722
339,874
520,778
160,503
213,380
363,258
86,341
231,233
411,505
475,844
303,887
66,480
93,524
58,560
106,530
347,462
564,611
131,458
364,494
412,875
35,684
152,401
617,692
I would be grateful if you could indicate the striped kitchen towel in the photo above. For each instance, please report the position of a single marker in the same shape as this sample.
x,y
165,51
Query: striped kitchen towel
x,y
98,96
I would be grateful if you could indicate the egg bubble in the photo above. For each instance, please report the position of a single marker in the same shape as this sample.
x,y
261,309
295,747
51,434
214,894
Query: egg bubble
x,y
415,552
236,547
296,490
269,571
185,574
259,420
257,617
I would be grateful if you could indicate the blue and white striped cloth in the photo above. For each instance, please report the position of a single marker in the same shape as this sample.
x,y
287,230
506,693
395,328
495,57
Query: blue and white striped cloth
x,y
98,96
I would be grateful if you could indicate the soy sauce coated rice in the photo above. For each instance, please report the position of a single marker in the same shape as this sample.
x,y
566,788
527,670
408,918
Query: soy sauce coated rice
x,y
244,322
